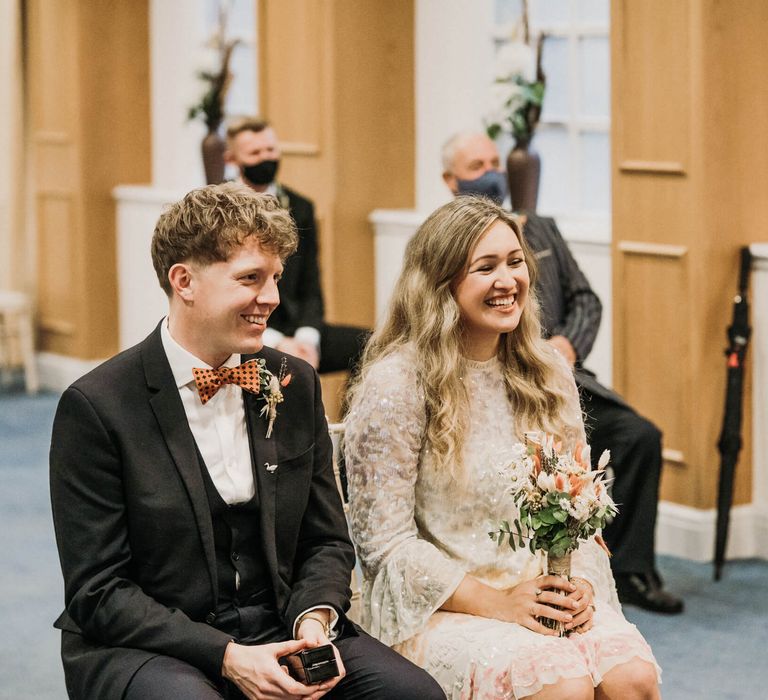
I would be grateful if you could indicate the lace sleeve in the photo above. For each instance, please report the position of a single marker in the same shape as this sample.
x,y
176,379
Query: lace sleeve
x,y
590,562
405,577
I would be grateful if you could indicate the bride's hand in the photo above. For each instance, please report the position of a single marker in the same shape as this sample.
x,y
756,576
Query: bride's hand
x,y
584,597
530,600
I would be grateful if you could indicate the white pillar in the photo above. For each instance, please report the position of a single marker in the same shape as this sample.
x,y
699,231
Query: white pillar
x,y
177,31
454,71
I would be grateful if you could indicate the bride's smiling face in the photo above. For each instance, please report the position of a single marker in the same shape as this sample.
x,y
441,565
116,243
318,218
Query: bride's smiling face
x,y
492,294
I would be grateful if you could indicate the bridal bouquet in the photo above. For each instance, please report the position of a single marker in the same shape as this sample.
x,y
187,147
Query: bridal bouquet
x,y
561,500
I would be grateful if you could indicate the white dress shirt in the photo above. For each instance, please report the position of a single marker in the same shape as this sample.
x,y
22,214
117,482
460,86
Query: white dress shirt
x,y
218,427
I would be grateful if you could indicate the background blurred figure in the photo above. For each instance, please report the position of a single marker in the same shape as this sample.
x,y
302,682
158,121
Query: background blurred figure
x,y
297,326
570,314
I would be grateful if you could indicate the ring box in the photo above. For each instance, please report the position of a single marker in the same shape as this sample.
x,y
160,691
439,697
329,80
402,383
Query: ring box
x,y
312,666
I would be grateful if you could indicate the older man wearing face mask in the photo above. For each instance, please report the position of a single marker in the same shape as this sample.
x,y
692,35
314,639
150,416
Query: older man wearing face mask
x,y
298,325
570,314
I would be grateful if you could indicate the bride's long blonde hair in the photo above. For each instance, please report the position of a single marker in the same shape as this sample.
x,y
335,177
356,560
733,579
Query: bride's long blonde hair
x,y
423,313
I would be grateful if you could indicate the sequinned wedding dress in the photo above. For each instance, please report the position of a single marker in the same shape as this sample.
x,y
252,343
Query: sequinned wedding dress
x,y
418,533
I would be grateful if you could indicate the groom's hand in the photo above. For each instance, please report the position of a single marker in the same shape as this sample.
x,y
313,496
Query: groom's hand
x,y
257,672
312,632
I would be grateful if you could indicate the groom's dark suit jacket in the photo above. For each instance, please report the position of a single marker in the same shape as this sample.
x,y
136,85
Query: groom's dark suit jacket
x,y
134,529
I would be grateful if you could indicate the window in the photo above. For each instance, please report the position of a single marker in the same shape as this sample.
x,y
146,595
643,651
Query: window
x,y
242,96
573,136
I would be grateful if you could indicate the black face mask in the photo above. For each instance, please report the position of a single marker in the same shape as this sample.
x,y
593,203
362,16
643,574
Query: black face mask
x,y
262,173
491,184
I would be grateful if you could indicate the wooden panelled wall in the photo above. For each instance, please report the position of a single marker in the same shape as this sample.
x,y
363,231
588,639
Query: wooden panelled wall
x,y
87,119
690,173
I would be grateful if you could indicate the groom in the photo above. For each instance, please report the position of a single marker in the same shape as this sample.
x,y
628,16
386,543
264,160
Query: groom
x,y
199,528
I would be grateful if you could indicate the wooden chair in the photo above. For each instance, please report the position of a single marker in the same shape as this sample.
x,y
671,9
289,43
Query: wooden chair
x,y
336,431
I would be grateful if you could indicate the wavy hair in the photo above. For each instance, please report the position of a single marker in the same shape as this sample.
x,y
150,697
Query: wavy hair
x,y
210,222
423,313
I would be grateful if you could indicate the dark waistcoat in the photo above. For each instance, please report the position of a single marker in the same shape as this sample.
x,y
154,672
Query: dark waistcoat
x,y
240,566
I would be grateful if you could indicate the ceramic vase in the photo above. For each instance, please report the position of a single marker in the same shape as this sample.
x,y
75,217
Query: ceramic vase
x,y
523,173
213,147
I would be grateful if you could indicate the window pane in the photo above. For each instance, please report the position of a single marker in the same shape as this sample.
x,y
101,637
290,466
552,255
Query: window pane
x,y
508,11
241,24
211,12
593,12
548,13
504,144
594,62
555,191
242,95
555,64
595,171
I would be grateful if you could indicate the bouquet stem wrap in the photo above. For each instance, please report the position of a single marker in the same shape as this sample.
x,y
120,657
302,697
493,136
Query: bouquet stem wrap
x,y
558,566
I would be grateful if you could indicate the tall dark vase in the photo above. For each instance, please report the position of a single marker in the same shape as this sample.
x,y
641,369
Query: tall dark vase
x,y
213,156
523,173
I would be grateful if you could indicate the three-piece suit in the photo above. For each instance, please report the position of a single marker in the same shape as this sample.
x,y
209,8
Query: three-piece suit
x,y
144,546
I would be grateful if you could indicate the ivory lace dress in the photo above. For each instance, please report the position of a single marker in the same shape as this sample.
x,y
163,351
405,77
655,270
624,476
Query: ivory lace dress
x,y
418,533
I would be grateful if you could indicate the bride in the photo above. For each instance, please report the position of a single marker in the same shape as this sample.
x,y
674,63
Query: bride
x,y
450,382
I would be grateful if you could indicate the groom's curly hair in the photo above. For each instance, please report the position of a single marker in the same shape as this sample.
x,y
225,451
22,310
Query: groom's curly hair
x,y
210,222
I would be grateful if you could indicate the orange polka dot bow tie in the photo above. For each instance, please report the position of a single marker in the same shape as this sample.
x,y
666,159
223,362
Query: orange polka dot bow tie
x,y
209,381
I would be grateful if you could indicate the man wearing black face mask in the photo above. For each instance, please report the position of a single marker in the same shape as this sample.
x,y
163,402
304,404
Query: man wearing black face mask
x,y
570,315
297,326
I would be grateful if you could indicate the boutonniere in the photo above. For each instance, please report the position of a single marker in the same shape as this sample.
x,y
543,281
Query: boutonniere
x,y
272,394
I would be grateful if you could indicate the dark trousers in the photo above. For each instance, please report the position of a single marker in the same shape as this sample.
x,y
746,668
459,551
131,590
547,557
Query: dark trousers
x,y
635,445
341,347
373,671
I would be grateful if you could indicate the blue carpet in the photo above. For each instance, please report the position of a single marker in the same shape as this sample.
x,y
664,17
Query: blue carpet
x,y
718,649
31,591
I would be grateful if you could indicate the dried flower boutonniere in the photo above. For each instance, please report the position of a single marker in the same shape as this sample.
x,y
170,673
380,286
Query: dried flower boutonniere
x,y
273,394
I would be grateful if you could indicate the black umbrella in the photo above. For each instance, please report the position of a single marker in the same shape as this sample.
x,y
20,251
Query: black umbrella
x,y
730,440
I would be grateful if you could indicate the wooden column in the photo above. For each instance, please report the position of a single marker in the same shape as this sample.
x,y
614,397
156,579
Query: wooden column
x,y
690,172
88,130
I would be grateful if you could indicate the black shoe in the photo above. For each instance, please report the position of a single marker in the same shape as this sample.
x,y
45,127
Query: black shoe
x,y
645,591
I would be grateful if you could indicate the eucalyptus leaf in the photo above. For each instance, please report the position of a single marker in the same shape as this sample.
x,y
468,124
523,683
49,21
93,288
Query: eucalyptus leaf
x,y
547,516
